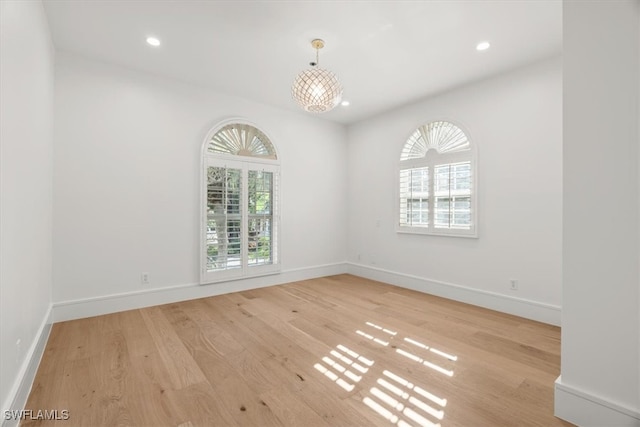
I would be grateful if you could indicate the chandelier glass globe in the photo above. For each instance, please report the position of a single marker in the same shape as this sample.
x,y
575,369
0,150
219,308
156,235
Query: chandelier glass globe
x,y
317,90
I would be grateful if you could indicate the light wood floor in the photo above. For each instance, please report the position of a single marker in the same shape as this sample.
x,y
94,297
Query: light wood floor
x,y
335,351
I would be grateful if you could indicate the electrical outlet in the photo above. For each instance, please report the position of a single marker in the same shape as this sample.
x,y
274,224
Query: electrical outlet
x,y
144,278
514,284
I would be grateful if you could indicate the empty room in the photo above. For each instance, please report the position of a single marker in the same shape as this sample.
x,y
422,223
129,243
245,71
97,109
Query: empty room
x,y
320,213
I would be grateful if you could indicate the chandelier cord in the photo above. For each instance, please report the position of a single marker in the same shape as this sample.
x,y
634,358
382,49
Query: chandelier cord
x,y
317,56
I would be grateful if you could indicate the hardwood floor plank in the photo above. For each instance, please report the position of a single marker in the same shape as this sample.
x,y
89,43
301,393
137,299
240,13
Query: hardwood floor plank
x,y
200,405
338,350
179,363
288,408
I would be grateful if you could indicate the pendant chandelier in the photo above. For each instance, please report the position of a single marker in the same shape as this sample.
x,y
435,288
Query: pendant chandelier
x,y
317,90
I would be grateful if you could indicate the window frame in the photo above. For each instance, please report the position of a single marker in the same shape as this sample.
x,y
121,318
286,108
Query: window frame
x,y
431,160
244,164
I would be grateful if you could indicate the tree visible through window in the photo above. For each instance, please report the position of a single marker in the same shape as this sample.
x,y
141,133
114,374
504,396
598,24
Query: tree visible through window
x,y
436,182
241,211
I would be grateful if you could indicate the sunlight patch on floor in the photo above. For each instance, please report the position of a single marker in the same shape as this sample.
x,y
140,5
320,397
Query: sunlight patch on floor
x,y
380,328
335,371
372,338
431,349
397,399
426,363
396,394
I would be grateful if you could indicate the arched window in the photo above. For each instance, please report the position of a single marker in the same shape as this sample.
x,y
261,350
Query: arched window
x,y
241,139
240,203
437,185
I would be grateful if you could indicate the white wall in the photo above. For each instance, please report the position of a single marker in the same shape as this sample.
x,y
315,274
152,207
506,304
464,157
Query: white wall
x,y
515,120
26,138
127,181
600,383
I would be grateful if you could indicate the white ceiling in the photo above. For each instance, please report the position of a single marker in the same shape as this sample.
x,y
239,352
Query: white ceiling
x,y
385,53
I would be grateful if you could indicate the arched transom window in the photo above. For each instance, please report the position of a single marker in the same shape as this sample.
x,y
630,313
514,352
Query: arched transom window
x,y
241,140
437,185
240,210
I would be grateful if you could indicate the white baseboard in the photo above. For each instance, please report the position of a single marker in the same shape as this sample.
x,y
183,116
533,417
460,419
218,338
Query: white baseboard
x,y
19,393
528,309
88,307
587,410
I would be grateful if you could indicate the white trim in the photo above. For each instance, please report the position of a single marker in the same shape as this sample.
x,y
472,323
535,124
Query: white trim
x,y
529,309
451,232
585,409
105,304
94,306
17,398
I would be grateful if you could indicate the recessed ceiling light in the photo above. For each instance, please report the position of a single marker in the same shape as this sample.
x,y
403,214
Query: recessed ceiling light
x,y
153,41
483,46
345,103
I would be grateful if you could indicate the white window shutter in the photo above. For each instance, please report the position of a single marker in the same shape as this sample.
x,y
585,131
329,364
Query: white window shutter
x,y
437,185
240,229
